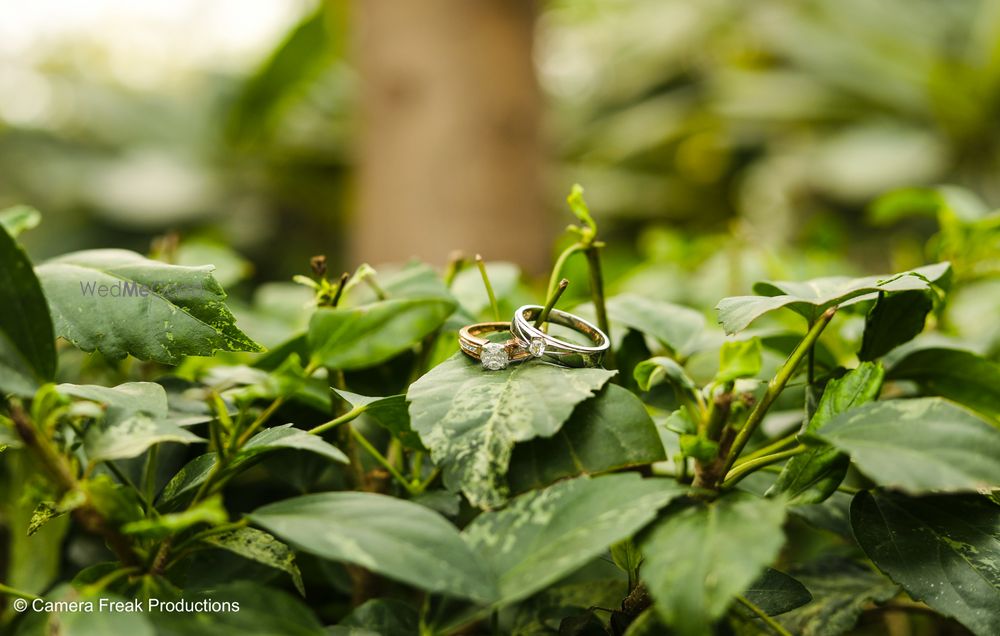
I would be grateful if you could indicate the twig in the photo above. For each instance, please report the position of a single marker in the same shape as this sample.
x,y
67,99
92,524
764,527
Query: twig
x,y
489,287
551,302
742,470
380,458
775,387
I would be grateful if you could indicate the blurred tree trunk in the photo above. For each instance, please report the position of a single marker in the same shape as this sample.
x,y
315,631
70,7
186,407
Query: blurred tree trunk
x,y
450,153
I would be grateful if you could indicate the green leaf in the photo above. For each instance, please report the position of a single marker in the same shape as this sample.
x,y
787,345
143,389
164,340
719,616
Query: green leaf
x,y
392,537
257,545
263,611
209,511
944,551
673,325
86,620
27,343
960,376
19,218
739,359
815,474
625,554
841,591
8,438
699,448
470,419
385,617
270,440
920,445
700,558
46,511
893,320
811,298
118,303
898,204
650,372
776,593
136,418
544,535
392,413
606,433
358,337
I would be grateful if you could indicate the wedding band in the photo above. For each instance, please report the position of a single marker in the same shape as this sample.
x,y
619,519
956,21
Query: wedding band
x,y
493,355
541,345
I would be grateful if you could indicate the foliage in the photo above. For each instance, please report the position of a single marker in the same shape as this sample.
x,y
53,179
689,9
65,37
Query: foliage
x,y
835,460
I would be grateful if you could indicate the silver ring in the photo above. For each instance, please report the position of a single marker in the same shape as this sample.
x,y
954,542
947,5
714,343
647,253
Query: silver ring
x,y
542,345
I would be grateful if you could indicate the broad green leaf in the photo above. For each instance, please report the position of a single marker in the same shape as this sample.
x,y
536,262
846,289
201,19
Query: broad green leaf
x,y
699,558
606,433
776,593
119,303
945,551
815,474
470,419
544,535
259,546
27,342
19,218
812,298
392,413
920,445
673,325
893,320
841,590
263,611
385,617
396,538
270,440
136,418
960,376
358,337
625,554
739,359
88,620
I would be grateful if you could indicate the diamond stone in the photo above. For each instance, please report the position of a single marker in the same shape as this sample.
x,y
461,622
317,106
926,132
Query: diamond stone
x,y
537,347
494,356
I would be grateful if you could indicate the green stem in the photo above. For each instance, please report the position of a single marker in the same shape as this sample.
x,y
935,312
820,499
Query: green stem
x,y
773,447
340,289
489,287
380,458
557,269
9,591
149,473
775,387
773,624
455,265
743,469
371,282
543,315
593,255
337,421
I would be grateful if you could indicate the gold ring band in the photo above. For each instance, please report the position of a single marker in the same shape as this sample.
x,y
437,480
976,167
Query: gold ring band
x,y
493,355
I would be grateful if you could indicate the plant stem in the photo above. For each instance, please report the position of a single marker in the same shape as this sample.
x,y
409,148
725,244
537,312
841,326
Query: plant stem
x,y
340,289
745,468
489,287
773,624
593,254
9,591
776,386
149,473
557,269
455,265
380,458
543,315
242,438
337,421
773,447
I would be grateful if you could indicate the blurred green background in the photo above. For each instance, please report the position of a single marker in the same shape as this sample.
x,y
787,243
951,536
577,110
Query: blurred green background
x,y
719,142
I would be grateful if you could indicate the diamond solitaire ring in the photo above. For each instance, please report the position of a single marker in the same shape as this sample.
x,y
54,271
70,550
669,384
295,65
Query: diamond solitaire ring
x,y
541,345
493,355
